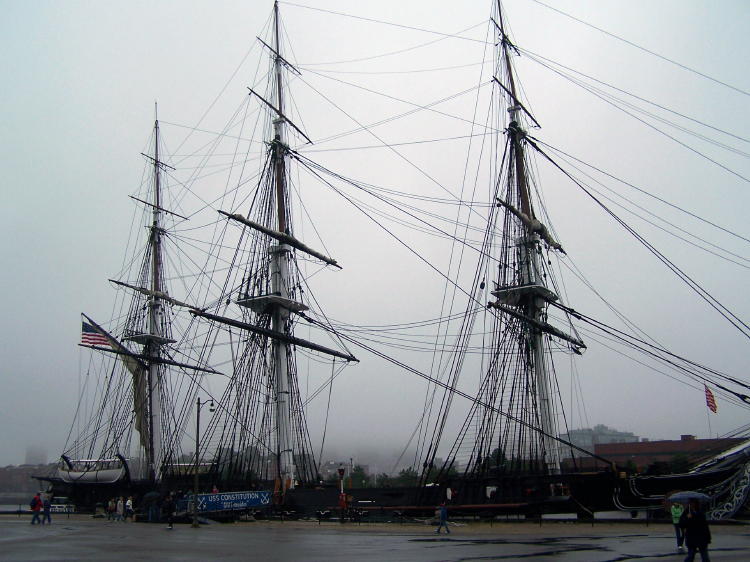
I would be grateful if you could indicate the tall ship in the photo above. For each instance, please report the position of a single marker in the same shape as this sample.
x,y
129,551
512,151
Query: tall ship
x,y
217,316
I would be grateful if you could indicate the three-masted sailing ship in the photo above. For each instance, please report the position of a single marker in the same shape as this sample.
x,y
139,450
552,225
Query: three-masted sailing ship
x,y
236,320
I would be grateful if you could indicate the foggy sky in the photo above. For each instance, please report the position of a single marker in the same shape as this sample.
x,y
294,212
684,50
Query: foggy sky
x,y
79,84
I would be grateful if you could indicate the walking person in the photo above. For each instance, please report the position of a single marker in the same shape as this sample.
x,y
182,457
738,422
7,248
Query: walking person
x,y
36,508
442,513
697,534
152,506
121,509
676,511
168,507
111,508
47,510
129,508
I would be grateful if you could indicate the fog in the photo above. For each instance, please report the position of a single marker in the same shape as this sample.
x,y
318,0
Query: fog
x,y
80,80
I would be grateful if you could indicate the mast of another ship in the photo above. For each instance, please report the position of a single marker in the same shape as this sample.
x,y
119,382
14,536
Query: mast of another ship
x,y
530,247
279,285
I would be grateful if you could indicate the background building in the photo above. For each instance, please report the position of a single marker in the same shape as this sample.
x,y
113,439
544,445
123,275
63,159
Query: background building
x,y
587,438
674,456
35,455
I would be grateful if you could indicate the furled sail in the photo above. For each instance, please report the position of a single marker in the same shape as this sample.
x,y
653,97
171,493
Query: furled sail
x,y
137,369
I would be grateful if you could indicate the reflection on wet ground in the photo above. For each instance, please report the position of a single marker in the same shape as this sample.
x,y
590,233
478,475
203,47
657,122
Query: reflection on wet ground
x,y
81,538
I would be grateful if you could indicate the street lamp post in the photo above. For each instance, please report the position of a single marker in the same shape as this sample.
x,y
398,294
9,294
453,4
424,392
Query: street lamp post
x,y
342,495
198,405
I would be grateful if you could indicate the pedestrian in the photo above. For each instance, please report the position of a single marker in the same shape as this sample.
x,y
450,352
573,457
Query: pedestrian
x,y
111,508
47,507
129,508
168,508
442,513
36,508
121,509
152,506
676,511
697,534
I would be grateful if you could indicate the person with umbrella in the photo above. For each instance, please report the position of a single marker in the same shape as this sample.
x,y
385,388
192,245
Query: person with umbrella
x,y
676,511
151,505
697,534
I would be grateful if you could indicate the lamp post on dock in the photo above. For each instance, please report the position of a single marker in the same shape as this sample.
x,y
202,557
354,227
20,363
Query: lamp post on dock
x,y
198,405
342,495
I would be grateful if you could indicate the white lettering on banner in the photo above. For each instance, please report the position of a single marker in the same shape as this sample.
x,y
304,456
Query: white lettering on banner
x,y
233,500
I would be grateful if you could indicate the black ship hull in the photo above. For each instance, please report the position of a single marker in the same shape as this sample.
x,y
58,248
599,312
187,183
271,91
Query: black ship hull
x,y
525,495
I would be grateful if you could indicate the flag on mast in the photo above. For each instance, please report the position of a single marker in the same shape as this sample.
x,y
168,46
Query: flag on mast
x,y
91,336
710,400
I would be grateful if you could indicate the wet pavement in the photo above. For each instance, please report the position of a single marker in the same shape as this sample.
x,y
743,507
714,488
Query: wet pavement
x,y
83,538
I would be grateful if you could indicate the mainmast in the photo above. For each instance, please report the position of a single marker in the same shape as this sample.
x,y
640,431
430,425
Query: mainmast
x,y
270,289
280,255
155,308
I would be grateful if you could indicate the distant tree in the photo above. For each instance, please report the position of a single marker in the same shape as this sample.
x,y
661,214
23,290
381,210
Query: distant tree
x,y
360,479
658,468
680,463
497,458
382,480
630,467
186,458
440,474
522,465
407,477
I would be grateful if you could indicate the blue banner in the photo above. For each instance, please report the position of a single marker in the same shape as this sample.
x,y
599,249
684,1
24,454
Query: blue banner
x,y
230,501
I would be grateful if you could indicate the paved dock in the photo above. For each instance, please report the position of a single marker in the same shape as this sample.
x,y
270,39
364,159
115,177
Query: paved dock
x,y
83,538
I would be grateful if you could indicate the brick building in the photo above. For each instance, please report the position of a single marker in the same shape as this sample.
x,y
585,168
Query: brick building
x,y
645,453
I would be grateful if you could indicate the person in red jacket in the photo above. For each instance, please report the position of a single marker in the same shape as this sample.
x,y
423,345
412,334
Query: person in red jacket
x,y
36,509
442,513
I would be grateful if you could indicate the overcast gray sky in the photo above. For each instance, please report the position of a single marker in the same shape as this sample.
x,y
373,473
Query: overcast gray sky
x,y
79,84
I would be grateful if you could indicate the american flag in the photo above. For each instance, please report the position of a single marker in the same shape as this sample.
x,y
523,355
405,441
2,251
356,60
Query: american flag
x,y
92,336
710,400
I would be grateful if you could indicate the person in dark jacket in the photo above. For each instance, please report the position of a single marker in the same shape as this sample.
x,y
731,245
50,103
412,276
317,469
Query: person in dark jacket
x,y
168,508
47,509
697,533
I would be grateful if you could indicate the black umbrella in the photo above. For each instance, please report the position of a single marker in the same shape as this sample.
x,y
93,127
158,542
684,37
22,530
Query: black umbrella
x,y
685,497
